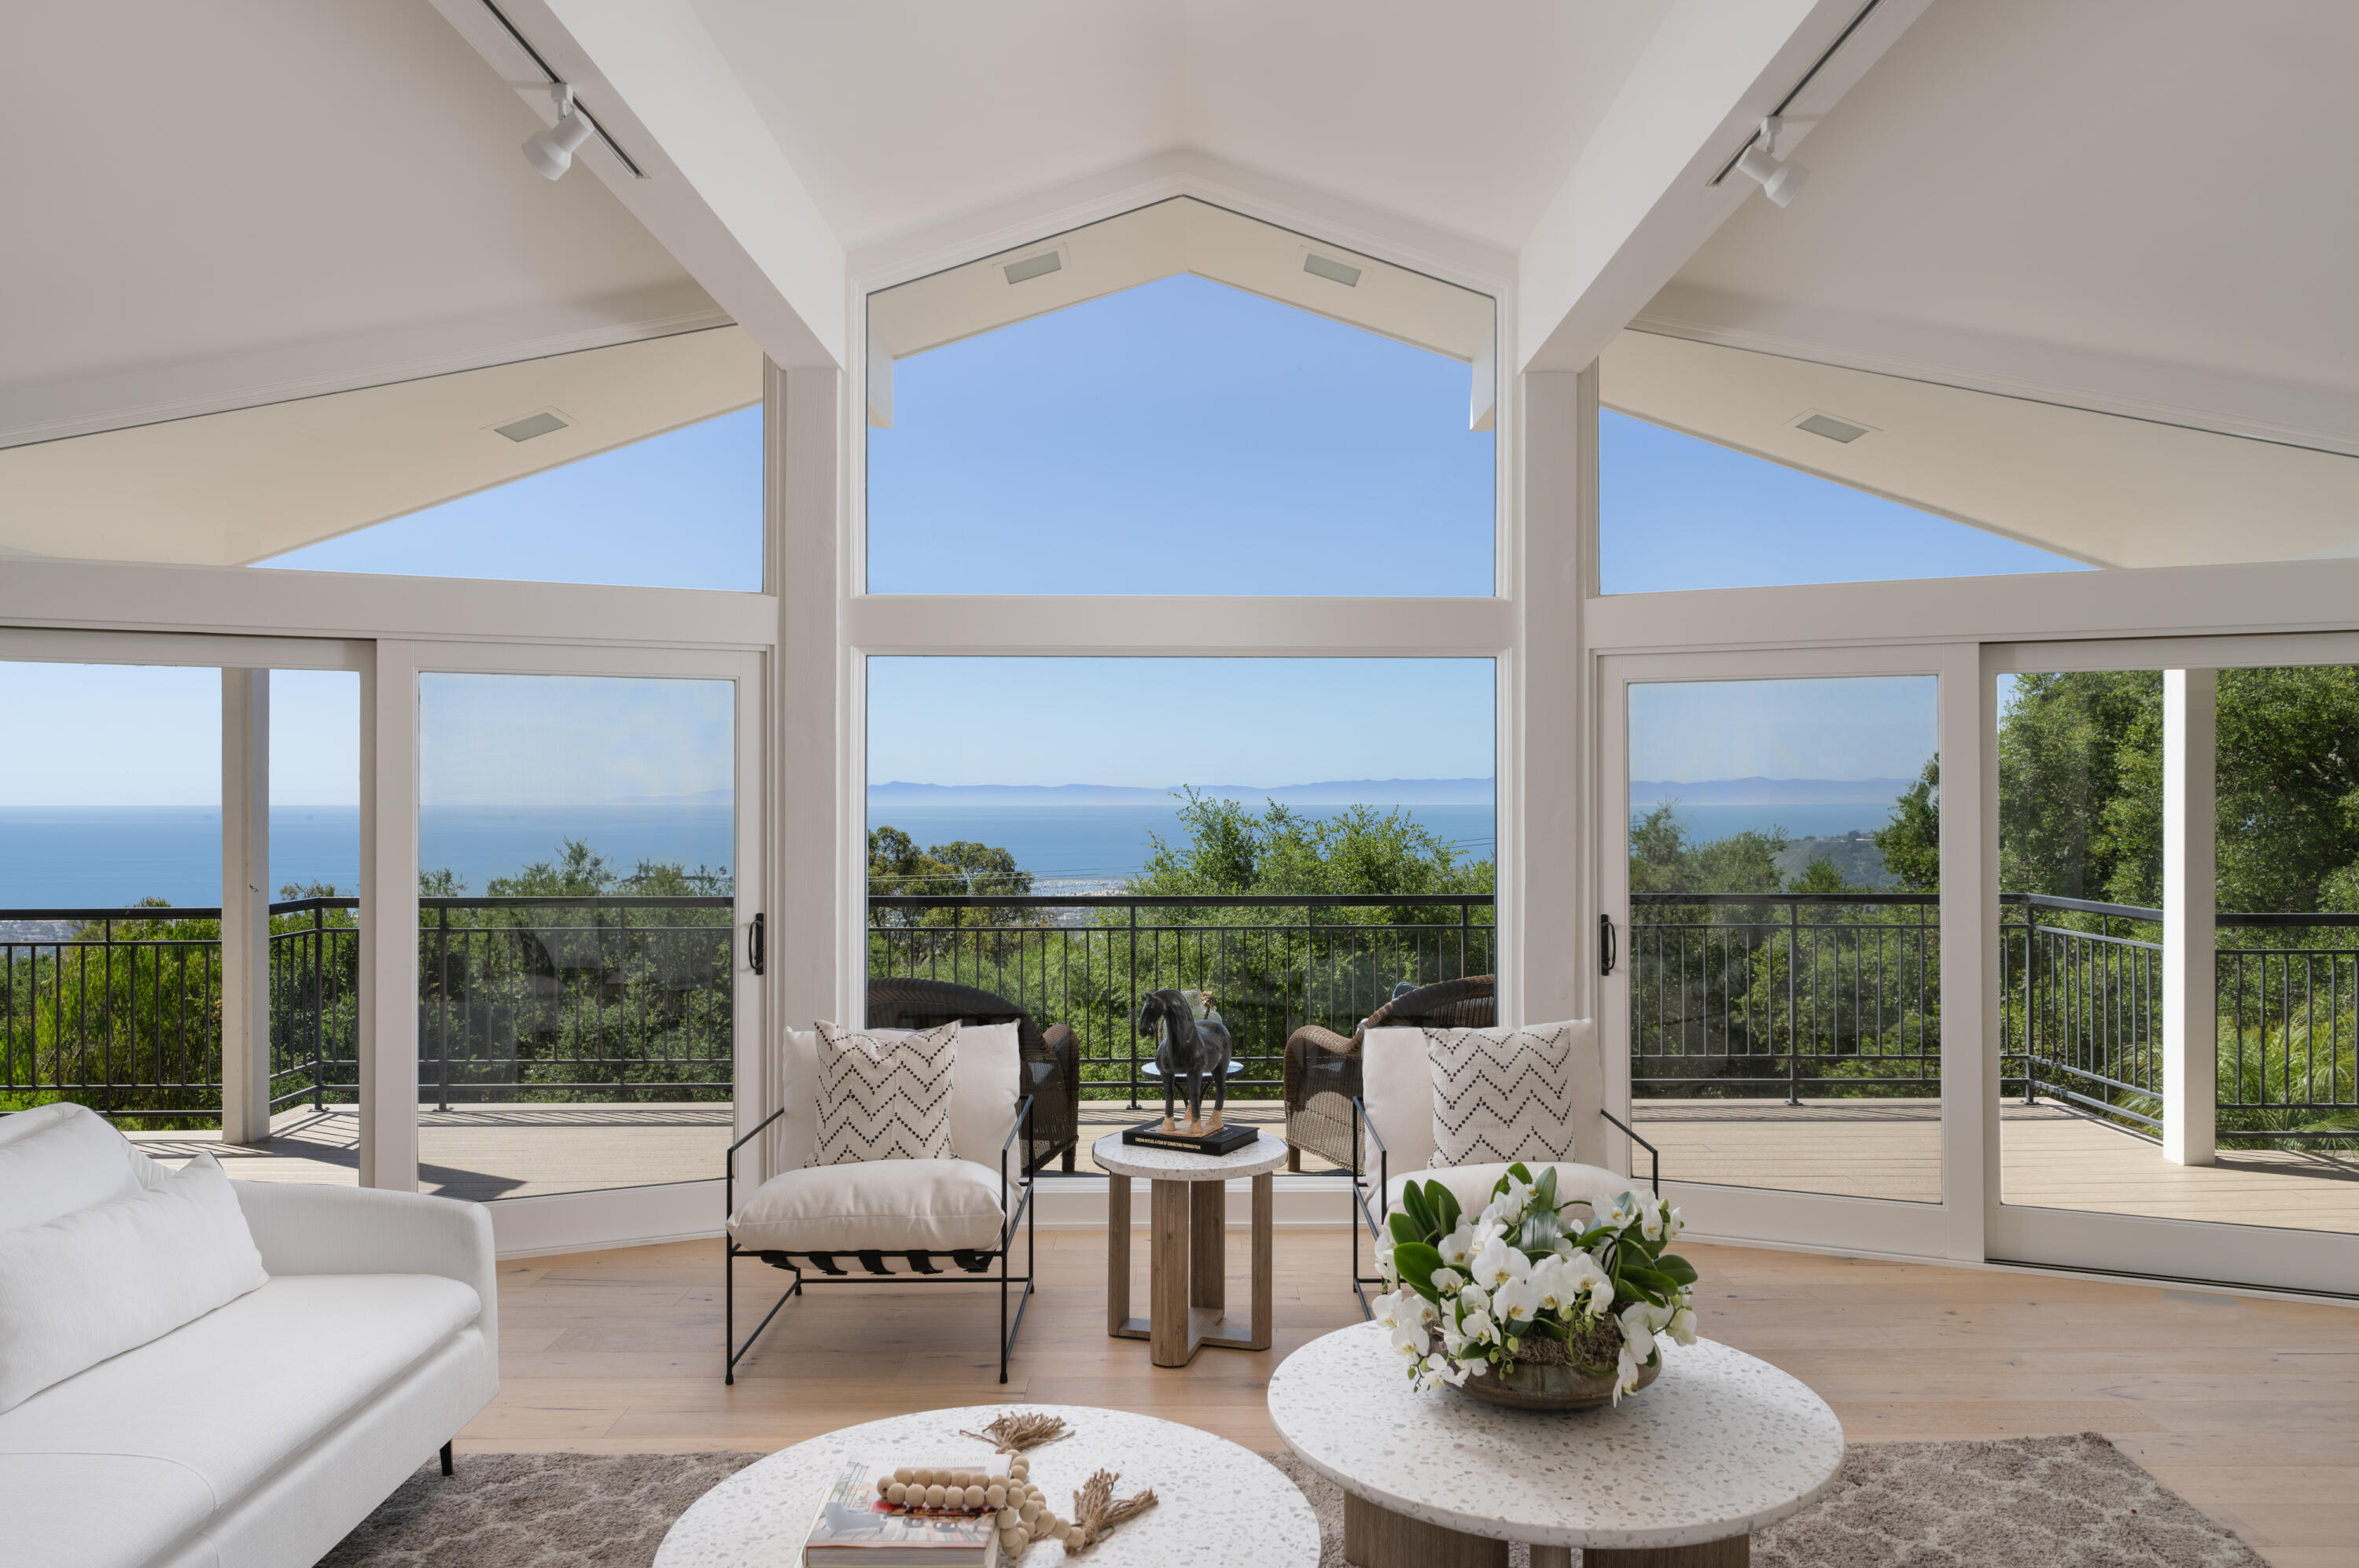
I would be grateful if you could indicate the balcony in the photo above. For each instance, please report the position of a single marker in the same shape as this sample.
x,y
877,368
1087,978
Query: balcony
x,y
1787,1041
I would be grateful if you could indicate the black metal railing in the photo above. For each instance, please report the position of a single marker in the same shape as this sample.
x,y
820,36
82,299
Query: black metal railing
x,y
1840,994
1272,963
1785,993
519,999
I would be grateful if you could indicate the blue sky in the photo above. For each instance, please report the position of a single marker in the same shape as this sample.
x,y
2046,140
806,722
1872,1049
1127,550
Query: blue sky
x,y
1180,437
1875,726
1160,722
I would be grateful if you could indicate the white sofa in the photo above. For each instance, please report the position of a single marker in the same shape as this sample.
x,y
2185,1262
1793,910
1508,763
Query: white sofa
x,y
260,1433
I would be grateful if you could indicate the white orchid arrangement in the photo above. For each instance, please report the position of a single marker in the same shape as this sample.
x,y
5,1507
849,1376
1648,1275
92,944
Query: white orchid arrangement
x,y
1530,1279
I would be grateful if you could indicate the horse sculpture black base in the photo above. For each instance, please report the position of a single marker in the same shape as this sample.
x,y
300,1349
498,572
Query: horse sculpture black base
x,y
1199,1050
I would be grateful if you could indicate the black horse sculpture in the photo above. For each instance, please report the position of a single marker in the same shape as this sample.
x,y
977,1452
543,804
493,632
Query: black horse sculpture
x,y
1200,1050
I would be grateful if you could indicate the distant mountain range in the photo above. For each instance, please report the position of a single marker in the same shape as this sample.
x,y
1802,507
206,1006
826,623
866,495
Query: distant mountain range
x,y
1767,791
1331,792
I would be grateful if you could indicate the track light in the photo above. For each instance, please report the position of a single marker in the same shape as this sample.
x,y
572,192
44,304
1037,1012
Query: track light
x,y
1781,183
551,151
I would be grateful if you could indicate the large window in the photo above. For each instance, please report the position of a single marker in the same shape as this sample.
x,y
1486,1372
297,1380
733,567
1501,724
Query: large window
x,y
1181,400
638,464
1290,840
1724,468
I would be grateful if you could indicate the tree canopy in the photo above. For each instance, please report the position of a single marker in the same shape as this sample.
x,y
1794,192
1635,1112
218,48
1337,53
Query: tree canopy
x,y
1227,847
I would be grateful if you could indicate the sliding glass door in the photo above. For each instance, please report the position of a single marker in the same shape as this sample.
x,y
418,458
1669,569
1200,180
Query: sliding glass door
x,y
2176,900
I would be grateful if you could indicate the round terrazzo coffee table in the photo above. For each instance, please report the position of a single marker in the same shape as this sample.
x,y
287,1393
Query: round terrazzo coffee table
x,y
1676,1476
1187,1292
1217,1504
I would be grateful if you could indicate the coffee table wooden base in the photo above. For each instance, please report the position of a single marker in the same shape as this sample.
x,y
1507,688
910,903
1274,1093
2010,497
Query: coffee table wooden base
x,y
1188,1287
1376,1537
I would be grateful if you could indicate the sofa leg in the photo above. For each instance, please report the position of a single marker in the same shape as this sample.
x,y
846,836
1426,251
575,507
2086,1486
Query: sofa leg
x,y
1294,1157
446,1459
1069,1161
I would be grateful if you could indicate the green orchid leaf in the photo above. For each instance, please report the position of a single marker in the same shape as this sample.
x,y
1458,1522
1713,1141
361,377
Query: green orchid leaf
x,y
1445,1207
1677,1268
1406,1229
1544,1190
1419,1213
1416,1262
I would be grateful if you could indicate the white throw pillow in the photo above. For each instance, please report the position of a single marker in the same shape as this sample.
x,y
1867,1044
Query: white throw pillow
x,y
111,1277
58,1158
1501,1094
884,1099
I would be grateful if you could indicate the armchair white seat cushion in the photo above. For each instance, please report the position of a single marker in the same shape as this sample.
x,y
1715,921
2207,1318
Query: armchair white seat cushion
x,y
887,1205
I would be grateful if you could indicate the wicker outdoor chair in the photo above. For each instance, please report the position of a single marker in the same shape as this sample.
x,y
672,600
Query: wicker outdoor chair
x,y
1051,1057
1322,1068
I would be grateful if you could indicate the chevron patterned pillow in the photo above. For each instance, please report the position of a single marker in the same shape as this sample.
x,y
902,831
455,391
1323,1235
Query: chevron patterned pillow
x,y
1501,1094
884,1099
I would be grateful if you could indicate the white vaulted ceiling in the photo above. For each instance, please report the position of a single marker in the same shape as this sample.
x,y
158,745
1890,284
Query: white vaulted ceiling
x,y
217,205
899,113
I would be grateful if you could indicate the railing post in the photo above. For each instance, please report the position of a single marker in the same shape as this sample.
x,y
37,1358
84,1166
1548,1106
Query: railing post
x,y
319,1004
443,1004
1793,997
2030,1002
1131,1013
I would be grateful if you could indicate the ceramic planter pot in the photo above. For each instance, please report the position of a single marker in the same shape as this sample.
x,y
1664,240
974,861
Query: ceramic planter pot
x,y
1558,1387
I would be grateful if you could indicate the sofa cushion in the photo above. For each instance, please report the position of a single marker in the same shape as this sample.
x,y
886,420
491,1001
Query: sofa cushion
x,y
58,1158
1398,1085
98,1281
97,1511
1472,1184
233,1396
891,1205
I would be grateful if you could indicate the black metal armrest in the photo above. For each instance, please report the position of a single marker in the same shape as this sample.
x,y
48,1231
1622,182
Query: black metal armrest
x,y
750,1136
729,1165
1019,1127
1655,1178
1362,1124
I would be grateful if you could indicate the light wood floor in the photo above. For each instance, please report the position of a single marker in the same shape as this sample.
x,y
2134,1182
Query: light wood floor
x,y
2050,1157
2249,1408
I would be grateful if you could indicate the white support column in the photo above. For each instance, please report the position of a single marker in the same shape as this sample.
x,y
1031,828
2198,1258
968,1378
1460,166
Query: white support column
x,y
246,906
1549,898
388,918
2191,1010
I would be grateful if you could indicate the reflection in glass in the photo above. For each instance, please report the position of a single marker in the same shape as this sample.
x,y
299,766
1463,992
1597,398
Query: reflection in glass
x,y
1784,950
576,932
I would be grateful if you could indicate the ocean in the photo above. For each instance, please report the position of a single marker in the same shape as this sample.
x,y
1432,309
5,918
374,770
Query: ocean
x,y
108,858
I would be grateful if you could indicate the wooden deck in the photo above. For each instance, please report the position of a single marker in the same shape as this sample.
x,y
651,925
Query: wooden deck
x,y
2050,1157
2248,1407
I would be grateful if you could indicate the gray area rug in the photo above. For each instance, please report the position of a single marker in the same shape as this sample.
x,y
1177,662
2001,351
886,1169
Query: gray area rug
x,y
2030,1502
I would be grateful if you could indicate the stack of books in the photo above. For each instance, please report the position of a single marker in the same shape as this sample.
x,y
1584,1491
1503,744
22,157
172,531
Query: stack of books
x,y
857,1525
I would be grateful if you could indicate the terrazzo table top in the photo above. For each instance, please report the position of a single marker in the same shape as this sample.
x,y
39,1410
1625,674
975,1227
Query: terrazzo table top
x,y
1720,1444
1264,1153
1216,1503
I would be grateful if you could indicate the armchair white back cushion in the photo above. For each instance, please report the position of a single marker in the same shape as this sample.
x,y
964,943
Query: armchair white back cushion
x,y
1397,1082
984,1091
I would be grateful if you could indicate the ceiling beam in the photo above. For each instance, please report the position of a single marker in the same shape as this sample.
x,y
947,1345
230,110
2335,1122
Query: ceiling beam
x,y
1640,198
716,191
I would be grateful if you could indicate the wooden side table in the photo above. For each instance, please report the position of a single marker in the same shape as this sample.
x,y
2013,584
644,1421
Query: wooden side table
x,y
1187,1290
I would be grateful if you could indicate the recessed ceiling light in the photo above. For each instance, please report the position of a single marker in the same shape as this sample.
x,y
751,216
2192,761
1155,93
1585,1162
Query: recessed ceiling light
x,y
1834,429
1333,271
1032,266
531,425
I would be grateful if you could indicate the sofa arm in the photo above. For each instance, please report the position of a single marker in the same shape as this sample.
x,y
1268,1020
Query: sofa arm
x,y
305,1228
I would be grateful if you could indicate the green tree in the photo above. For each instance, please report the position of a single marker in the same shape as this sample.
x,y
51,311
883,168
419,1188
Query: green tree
x,y
1911,842
1665,859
